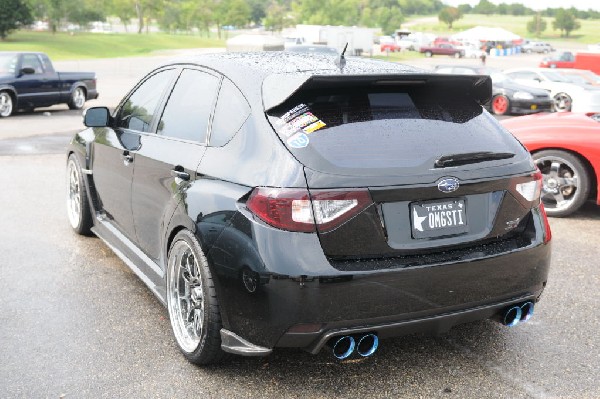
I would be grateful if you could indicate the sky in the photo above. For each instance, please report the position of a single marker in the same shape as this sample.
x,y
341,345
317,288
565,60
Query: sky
x,y
539,4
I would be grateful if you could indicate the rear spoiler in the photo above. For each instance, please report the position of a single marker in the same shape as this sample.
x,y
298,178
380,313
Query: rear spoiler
x,y
278,88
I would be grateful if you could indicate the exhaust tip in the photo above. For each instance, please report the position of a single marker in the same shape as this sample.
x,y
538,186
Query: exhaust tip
x,y
512,316
367,345
526,311
343,347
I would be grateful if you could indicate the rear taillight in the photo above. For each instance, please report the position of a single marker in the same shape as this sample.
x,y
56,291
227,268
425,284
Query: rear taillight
x,y
547,230
296,210
531,190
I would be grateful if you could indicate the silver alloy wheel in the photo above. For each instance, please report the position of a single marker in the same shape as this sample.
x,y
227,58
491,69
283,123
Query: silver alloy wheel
x,y
6,104
185,296
73,194
562,102
560,183
78,98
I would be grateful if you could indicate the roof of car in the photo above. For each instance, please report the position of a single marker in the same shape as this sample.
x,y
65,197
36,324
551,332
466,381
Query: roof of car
x,y
275,62
269,77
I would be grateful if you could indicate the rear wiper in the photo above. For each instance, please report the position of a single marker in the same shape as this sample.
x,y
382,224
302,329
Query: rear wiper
x,y
470,157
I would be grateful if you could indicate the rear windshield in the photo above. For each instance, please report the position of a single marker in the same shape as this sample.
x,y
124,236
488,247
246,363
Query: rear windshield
x,y
354,130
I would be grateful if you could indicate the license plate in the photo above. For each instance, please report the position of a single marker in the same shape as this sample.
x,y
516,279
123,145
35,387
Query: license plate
x,y
438,218
533,107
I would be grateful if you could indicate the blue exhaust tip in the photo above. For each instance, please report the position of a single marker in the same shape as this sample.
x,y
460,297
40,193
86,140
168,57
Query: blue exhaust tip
x,y
344,347
512,316
527,311
367,345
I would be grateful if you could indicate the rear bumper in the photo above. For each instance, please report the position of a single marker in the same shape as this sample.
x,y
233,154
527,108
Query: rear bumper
x,y
530,106
302,300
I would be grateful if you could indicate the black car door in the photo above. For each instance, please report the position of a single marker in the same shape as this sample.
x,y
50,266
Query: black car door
x,y
166,161
114,149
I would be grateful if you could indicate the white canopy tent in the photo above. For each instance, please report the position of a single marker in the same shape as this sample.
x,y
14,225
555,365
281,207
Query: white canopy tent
x,y
486,33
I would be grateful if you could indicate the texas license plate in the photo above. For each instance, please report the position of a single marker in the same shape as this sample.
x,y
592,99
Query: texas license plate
x,y
438,218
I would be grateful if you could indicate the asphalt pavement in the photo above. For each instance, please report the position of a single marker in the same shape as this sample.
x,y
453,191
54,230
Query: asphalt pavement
x,y
75,322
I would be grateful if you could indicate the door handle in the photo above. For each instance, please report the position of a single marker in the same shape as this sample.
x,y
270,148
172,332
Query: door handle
x,y
127,158
180,174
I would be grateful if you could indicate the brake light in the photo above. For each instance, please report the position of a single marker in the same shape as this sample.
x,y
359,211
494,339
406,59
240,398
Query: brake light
x,y
531,190
296,210
547,230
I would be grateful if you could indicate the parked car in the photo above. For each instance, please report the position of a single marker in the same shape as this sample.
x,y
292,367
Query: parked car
x,y
28,80
581,60
387,43
375,203
471,51
508,97
537,47
580,76
442,49
567,96
566,148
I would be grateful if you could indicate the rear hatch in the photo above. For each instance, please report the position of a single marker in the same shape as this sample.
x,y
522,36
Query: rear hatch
x,y
443,178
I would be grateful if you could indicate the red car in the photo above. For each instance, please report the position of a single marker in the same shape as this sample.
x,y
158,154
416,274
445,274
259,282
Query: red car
x,y
566,148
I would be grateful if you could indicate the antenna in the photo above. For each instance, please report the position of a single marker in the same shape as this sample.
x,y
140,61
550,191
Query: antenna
x,y
341,60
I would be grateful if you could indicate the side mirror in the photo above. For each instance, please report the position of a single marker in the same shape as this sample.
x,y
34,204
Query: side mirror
x,y
27,71
96,117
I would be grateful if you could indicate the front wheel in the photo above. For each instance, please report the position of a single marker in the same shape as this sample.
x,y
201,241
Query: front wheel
x,y
566,182
192,301
457,55
77,99
562,102
6,104
500,105
78,206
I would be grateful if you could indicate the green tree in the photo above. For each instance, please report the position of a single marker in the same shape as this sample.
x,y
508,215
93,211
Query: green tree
x,y
232,13
448,15
537,25
124,10
277,17
465,8
484,7
389,19
565,21
13,15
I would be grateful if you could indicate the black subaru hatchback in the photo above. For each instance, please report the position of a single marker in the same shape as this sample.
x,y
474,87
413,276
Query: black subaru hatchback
x,y
289,200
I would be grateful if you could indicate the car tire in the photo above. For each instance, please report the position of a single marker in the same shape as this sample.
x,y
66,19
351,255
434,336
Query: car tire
x,y
566,181
78,206
78,97
428,54
192,301
500,104
7,105
528,51
562,102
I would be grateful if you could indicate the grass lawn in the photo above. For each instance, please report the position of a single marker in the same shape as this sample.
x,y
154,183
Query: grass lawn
x,y
399,56
588,33
63,46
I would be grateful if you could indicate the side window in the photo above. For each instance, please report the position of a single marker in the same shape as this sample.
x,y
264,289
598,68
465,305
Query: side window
x,y
189,107
139,109
32,61
231,113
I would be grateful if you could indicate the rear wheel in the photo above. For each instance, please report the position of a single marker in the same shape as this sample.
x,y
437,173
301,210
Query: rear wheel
x,y
562,102
566,181
6,104
428,54
456,55
77,99
78,206
192,301
500,105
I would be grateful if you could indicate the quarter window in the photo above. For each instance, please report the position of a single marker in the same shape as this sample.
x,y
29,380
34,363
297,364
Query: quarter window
x,y
139,109
231,113
32,61
189,107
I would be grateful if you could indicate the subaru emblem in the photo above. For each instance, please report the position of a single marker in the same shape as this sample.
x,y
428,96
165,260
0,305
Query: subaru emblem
x,y
448,185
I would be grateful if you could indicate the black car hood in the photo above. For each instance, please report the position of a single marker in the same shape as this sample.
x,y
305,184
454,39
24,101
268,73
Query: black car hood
x,y
513,86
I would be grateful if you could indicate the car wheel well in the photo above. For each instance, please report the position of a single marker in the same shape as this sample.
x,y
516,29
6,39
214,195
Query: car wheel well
x,y
586,163
172,236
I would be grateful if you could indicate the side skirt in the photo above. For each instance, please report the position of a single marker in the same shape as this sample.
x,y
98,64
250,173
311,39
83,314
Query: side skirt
x,y
144,267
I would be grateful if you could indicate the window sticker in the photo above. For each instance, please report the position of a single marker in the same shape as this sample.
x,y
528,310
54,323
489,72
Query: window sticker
x,y
314,126
298,140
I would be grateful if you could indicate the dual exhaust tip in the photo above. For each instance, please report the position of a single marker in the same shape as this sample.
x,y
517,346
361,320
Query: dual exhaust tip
x,y
344,346
516,314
